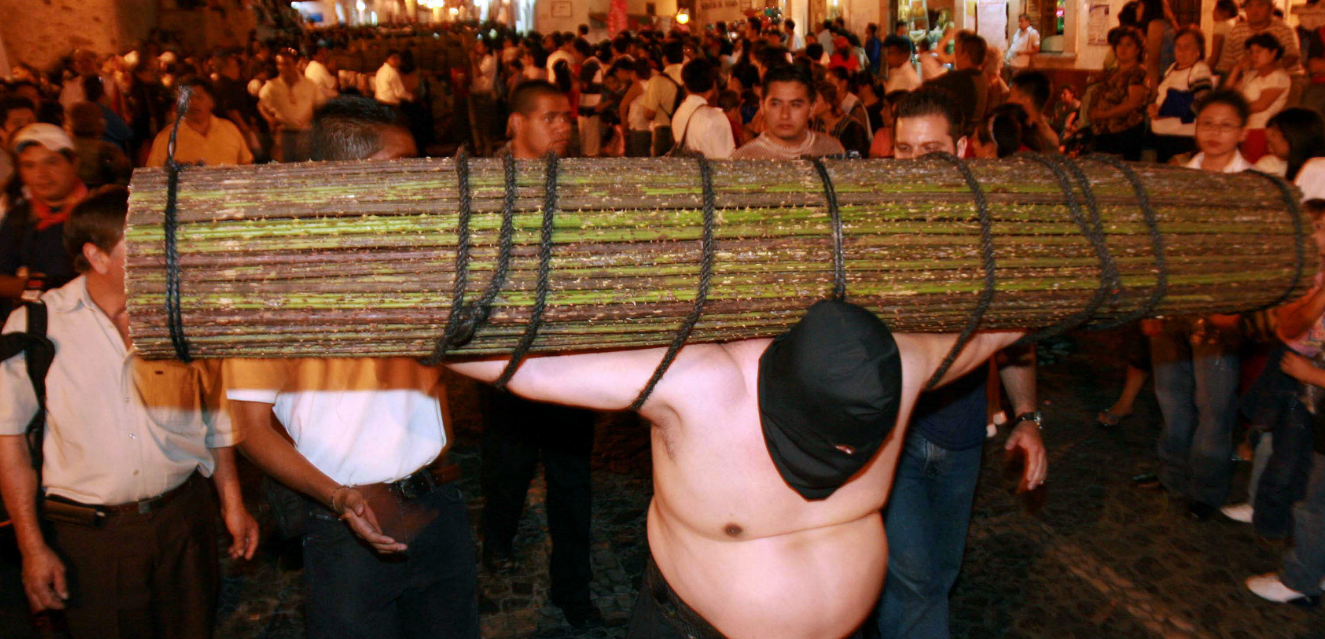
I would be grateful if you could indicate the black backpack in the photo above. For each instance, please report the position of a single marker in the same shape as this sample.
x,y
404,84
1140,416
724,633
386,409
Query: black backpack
x,y
40,352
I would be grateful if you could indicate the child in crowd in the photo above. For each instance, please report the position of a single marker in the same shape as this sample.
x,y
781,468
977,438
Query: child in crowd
x,y
1301,577
1221,124
1264,83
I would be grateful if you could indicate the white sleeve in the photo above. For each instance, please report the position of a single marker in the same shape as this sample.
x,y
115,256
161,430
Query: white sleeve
x,y
18,402
717,134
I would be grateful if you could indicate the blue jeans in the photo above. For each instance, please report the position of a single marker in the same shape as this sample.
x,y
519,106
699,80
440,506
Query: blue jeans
x,y
1272,403
1304,565
430,591
926,520
1197,389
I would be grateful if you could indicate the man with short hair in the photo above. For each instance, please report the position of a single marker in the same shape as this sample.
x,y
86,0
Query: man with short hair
x,y
826,37
929,510
327,85
202,136
591,96
966,83
1030,90
128,547
662,96
788,104
388,85
288,101
15,113
519,433
387,547
1025,44
902,74
795,41
32,253
702,127
1260,18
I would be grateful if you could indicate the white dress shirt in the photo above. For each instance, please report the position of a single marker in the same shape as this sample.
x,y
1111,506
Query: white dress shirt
x,y
358,420
389,87
118,429
1237,165
903,78
704,128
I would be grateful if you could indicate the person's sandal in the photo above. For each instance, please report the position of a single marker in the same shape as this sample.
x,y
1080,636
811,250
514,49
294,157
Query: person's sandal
x,y
1107,419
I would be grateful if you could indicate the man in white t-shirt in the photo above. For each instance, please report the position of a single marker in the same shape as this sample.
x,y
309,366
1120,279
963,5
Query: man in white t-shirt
x,y
388,85
363,443
902,74
1025,43
699,126
318,72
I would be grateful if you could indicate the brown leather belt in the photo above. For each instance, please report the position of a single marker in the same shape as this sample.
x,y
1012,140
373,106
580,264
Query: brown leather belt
x,y
143,507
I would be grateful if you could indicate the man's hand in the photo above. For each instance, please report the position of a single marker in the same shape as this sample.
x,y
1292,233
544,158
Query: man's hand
x,y
43,580
1026,436
243,531
351,506
1299,368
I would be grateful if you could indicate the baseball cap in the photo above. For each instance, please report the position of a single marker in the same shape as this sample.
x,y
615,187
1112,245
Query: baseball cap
x,y
48,135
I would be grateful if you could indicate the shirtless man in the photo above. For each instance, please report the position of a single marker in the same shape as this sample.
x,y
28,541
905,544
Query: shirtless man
x,y
772,460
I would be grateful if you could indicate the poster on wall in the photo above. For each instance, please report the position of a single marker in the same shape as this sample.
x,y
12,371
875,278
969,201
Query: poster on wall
x,y
561,9
1097,28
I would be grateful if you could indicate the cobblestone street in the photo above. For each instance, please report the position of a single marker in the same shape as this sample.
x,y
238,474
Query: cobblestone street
x,y
1090,557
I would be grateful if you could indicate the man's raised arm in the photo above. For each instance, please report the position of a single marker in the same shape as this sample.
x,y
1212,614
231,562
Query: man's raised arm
x,y
930,350
603,381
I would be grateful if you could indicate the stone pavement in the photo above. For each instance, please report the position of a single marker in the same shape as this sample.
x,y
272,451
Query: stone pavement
x,y
1089,557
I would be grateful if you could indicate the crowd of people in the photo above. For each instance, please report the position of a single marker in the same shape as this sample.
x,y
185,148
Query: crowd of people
x,y
357,446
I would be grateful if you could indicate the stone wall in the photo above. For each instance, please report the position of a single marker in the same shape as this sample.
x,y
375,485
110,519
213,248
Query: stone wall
x,y
40,32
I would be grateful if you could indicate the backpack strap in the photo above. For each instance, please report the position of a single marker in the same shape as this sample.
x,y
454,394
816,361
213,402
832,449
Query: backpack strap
x,y
40,353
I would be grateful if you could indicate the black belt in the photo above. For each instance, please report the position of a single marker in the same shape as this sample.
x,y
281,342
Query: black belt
x,y
142,507
426,479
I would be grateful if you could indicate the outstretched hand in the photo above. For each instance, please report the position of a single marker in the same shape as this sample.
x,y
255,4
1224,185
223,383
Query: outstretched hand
x,y
356,513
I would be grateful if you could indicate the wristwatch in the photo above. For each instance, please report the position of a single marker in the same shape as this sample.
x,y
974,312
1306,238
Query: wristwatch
x,y
1032,416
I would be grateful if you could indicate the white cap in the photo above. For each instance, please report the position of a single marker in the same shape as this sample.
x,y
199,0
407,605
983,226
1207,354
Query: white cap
x,y
48,135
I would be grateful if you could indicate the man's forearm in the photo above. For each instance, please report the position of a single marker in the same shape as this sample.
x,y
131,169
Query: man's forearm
x,y
1018,377
226,477
276,456
18,488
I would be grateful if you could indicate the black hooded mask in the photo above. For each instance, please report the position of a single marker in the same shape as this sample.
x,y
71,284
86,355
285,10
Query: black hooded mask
x,y
833,381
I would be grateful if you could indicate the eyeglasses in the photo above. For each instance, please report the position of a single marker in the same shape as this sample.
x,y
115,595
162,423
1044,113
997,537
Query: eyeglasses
x,y
1221,127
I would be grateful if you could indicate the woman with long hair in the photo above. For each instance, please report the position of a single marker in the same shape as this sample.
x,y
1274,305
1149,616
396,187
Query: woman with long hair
x,y
1293,136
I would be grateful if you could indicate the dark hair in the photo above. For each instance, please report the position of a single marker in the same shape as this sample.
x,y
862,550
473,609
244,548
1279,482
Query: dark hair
x,y
728,100
1228,97
1009,128
1195,33
771,57
1227,6
1315,207
561,76
51,112
98,219
193,82
673,52
85,120
349,128
524,96
791,73
1305,132
1266,41
1127,17
583,29
14,103
754,22
973,46
814,50
642,67
698,76
1035,84
828,24
788,24
898,43
93,89
1117,34
927,101
582,47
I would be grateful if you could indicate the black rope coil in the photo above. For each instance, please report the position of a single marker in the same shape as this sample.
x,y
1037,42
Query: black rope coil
x,y
461,260
174,316
705,278
987,254
1156,241
544,264
835,215
1093,228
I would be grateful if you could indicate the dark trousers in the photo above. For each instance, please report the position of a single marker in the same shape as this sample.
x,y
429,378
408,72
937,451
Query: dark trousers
x,y
1284,480
517,434
429,591
662,141
638,143
1125,143
151,575
1167,146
